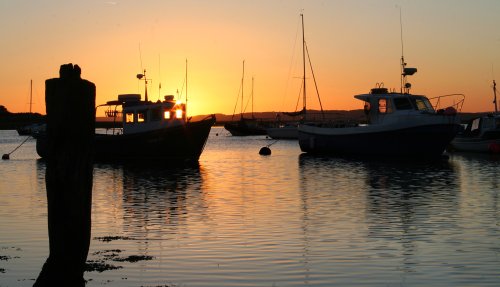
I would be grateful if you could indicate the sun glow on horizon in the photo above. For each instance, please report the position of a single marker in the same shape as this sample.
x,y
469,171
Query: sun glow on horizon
x,y
351,48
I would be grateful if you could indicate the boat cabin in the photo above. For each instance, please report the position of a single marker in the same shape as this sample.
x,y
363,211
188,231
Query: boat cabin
x,y
380,103
140,116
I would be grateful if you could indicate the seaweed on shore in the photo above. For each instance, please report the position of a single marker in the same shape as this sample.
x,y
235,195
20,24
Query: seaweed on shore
x,y
111,238
99,266
4,258
133,258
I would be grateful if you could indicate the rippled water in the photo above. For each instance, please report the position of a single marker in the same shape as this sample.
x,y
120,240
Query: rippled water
x,y
241,219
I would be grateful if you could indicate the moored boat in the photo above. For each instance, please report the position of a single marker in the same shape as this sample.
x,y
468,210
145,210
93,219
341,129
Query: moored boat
x,y
284,131
481,134
246,126
156,131
398,124
290,130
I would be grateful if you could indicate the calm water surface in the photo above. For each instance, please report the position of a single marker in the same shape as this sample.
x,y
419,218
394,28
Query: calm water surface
x,y
241,219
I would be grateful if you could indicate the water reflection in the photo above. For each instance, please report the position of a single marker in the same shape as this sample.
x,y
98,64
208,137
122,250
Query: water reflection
x,y
394,205
154,199
480,169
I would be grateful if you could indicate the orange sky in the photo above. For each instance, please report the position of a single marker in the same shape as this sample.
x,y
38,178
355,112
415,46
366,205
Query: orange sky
x,y
353,45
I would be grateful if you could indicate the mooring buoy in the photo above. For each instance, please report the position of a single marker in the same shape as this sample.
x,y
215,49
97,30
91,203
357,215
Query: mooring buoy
x,y
265,151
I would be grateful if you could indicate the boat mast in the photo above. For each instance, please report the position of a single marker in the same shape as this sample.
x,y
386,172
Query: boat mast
x,y
495,96
242,77
252,99
31,94
186,86
303,68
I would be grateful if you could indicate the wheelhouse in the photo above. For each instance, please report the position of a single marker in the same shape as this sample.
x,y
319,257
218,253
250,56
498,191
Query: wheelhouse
x,y
140,116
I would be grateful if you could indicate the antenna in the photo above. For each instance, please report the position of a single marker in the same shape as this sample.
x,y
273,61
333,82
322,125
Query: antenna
x,y
405,86
159,75
140,77
140,55
495,96
143,75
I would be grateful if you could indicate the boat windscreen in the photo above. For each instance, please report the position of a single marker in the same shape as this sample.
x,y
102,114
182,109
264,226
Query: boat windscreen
x,y
421,104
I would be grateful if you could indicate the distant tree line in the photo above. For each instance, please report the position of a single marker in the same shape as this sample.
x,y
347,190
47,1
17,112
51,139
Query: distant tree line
x,y
11,121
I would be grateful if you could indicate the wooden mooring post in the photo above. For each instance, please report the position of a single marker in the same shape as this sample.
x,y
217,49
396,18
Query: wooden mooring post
x,y
70,108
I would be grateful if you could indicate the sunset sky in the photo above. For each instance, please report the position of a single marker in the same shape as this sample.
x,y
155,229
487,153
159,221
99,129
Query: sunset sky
x,y
353,44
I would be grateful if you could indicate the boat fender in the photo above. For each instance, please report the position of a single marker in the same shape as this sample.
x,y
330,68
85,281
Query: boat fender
x,y
494,147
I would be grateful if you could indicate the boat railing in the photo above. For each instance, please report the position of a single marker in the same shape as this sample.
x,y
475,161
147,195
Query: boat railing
x,y
443,102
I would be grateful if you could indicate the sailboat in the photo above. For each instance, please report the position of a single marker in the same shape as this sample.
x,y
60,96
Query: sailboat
x,y
245,126
34,127
289,130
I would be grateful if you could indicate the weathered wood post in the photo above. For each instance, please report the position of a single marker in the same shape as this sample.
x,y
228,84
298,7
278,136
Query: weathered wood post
x,y
70,107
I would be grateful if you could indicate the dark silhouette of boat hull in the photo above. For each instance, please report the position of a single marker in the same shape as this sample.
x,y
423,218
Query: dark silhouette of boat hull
x,y
415,142
180,143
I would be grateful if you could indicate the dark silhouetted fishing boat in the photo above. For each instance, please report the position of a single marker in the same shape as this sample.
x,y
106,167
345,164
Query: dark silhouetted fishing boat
x,y
156,131
398,124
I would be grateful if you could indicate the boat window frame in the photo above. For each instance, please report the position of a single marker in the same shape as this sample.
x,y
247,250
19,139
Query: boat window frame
x,y
145,117
400,104
387,107
156,114
126,118
417,102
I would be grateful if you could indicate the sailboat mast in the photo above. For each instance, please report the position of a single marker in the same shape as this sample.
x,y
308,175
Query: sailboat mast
x,y
303,67
495,96
242,77
31,94
252,98
186,86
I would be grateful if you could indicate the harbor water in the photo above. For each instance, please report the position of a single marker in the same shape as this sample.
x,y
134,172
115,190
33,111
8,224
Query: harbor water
x,y
289,219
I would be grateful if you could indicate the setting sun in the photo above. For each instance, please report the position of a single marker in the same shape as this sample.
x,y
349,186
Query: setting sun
x,y
352,46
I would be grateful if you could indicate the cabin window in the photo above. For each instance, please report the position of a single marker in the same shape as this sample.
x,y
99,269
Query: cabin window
x,y
475,125
382,106
422,104
402,104
166,115
141,117
367,107
129,118
178,114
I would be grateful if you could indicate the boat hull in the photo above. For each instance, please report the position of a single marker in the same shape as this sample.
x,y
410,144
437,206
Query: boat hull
x,y
286,132
180,143
416,141
245,128
471,144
